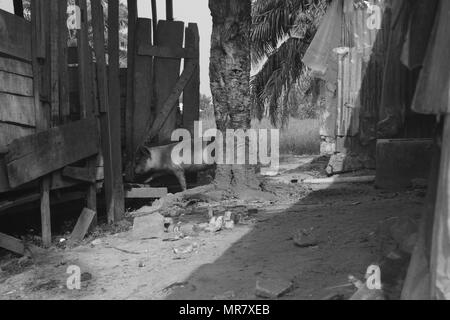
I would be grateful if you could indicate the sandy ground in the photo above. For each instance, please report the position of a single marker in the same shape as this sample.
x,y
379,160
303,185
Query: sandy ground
x,y
345,221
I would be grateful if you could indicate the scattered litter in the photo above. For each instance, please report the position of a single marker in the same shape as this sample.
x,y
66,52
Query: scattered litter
x,y
272,288
176,285
167,223
216,224
186,249
148,226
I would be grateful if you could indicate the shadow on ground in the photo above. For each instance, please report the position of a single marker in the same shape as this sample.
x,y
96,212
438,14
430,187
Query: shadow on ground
x,y
347,226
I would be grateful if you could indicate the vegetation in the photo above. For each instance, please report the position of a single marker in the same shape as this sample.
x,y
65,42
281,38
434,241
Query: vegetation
x,y
282,32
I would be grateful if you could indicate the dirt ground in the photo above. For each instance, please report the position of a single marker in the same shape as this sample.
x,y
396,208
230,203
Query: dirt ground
x,y
346,225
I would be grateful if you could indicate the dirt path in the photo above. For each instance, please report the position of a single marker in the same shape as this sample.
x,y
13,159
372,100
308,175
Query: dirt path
x,y
344,221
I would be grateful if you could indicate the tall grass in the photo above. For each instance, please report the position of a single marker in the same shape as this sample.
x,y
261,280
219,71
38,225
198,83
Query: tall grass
x,y
301,137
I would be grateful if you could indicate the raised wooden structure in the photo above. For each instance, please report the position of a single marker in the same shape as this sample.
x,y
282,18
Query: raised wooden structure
x,y
64,116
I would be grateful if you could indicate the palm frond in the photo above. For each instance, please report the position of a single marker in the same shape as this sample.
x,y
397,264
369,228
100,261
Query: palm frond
x,y
282,32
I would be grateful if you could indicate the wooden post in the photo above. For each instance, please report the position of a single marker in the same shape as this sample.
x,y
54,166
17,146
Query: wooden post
x,y
113,193
64,105
114,108
54,54
191,95
18,8
154,17
143,83
86,99
169,10
42,118
132,20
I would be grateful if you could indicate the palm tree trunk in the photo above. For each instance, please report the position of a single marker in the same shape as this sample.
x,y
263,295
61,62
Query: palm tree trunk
x,y
230,66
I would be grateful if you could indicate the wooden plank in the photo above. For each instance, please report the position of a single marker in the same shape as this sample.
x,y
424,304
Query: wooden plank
x,y
16,84
191,94
15,36
169,10
35,156
170,104
54,63
167,52
10,132
146,193
81,174
17,109
114,109
154,17
111,183
167,72
143,84
129,117
19,202
12,244
82,226
86,95
16,67
64,105
42,75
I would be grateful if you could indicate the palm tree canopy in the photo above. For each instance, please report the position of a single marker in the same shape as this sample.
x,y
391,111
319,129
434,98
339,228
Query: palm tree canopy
x,y
282,32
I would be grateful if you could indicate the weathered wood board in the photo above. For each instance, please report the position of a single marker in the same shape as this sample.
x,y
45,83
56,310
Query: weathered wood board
x,y
16,246
15,36
17,109
16,67
143,84
10,132
35,156
191,94
167,72
167,52
82,226
146,193
16,84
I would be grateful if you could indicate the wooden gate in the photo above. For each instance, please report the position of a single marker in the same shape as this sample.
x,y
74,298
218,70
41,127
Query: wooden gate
x,y
153,111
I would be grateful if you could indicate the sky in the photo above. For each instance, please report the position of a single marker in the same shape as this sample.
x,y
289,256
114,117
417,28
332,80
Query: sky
x,y
184,10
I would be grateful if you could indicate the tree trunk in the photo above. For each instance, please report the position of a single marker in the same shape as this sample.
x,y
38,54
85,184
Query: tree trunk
x,y
230,66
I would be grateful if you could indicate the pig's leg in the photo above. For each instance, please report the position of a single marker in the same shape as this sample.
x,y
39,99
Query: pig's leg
x,y
181,178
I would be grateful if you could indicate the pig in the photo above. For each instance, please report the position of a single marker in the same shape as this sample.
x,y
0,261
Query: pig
x,y
157,161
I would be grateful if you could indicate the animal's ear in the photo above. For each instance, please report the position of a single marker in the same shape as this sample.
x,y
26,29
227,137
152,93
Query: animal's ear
x,y
144,151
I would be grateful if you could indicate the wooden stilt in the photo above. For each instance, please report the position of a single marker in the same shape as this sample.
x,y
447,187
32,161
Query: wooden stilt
x,y
110,131
132,21
42,119
86,101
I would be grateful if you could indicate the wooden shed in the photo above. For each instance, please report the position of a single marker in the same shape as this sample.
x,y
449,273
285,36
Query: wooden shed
x,y
70,118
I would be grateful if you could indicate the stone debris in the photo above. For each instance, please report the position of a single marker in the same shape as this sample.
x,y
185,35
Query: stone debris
x,y
305,239
272,288
146,227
